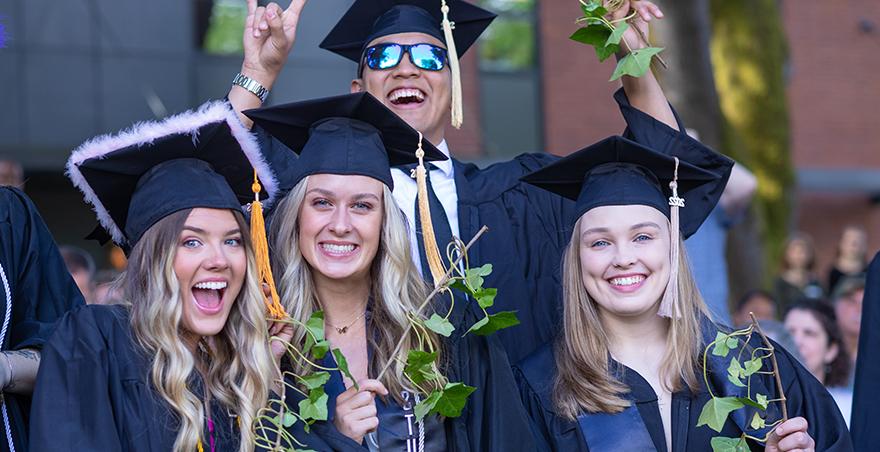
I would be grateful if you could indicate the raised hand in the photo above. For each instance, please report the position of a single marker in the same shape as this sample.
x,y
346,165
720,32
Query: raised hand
x,y
790,435
269,34
356,413
636,35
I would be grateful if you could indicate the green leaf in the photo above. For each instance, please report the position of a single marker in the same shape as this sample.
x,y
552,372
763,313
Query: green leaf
x,y
494,322
715,412
635,64
735,373
593,8
343,366
315,406
315,325
427,405
723,344
753,365
724,444
418,365
614,37
289,419
439,325
453,399
483,270
319,351
750,402
757,422
486,297
458,284
596,36
315,380
762,401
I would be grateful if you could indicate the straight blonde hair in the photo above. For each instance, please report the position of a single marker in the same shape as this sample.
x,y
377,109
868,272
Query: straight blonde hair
x,y
397,290
584,382
238,360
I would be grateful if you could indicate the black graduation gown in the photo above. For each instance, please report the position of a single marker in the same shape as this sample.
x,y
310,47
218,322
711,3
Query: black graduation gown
x,y
36,291
94,392
640,427
866,397
492,420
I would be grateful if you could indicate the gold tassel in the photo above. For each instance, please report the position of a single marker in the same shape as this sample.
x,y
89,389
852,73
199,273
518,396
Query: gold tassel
x,y
457,109
261,251
432,253
669,305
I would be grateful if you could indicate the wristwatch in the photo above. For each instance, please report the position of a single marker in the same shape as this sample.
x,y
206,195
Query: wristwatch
x,y
251,85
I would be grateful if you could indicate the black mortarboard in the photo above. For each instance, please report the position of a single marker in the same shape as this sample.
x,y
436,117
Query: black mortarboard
x,y
349,134
617,171
367,20
202,158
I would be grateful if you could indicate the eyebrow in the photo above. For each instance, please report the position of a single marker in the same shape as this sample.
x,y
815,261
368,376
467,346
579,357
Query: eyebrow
x,y
649,224
329,193
235,231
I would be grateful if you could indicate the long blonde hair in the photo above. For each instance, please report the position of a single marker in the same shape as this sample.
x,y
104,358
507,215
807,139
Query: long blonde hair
x,y
584,382
239,365
397,287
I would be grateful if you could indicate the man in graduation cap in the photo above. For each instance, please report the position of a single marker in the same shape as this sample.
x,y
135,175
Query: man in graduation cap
x,y
407,56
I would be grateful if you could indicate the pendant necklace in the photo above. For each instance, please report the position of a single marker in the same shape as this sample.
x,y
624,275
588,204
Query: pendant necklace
x,y
344,329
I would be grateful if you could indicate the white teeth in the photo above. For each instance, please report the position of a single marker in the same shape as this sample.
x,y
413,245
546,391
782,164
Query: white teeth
x,y
406,92
627,281
211,285
339,249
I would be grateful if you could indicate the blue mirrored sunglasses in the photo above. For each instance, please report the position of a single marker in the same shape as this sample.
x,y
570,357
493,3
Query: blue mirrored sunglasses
x,y
388,55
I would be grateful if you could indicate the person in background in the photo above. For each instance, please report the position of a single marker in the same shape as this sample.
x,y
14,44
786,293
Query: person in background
x,y
848,308
105,286
852,256
813,326
707,248
11,173
797,279
82,269
756,301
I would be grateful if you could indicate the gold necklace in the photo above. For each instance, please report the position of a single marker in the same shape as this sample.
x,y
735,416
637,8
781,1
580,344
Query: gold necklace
x,y
344,329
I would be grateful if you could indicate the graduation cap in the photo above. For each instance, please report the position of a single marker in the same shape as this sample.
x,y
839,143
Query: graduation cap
x,y
353,134
350,134
202,158
684,185
367,20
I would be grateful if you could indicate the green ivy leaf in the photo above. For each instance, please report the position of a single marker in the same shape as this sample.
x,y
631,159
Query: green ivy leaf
x,y
716,410
596,36
439,325
289,419
427,404
723,344
635,64
735,373
475,276
762,401
753,365
343,366
483,270
319,351
315,380
593,8
751,403
486,297
614,37
494,322
315,325
458,284
757,422
724,444
453,399
315,406
418,365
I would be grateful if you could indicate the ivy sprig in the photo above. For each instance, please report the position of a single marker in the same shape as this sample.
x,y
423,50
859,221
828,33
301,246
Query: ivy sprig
x,y
606,35
740,371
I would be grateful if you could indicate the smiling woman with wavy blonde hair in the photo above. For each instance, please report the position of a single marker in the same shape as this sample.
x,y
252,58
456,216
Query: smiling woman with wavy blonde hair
x,y
183,363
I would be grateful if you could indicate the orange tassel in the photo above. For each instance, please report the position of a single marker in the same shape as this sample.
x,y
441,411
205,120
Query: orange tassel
x,y
432,253
261,251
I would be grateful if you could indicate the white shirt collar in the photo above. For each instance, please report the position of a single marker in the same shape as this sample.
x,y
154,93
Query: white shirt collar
x,y
446,165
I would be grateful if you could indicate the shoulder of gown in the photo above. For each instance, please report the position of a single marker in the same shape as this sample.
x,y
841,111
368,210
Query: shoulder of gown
x,y
866,397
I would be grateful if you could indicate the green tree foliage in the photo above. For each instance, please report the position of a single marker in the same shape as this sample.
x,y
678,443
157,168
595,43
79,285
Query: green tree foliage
x,y
749,51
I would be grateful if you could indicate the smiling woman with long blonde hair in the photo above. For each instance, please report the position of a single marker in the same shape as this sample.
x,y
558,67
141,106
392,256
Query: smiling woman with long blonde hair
x,y
626,372
183,363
